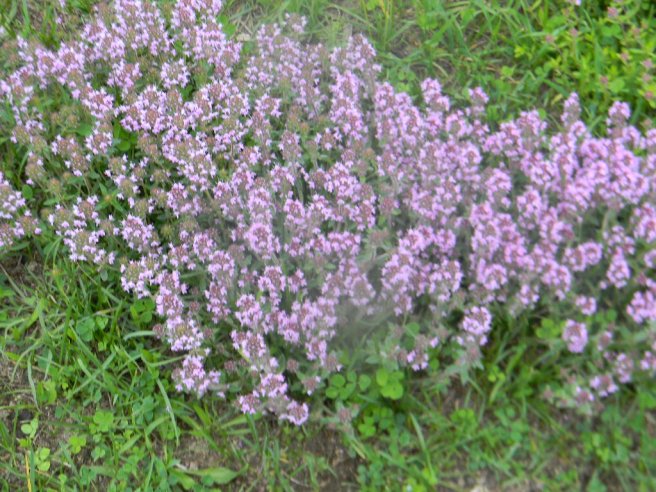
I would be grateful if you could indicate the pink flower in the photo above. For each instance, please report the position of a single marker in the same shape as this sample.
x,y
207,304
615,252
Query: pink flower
x,y
575,336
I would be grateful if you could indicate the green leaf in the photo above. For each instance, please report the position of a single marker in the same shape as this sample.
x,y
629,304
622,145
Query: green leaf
x,y
612,30
218,476
337,380
41,459
332,392
347,391
596,485
123,145
85,329
616,85
47,392
548,330
227,27
646,400
554,22
371,5
392,391
27,192
30,428
76,443
412,328
185,481
382,376
367,429
84,130
4,292
98,452
43,453
365,382
507,71
104,420
142,310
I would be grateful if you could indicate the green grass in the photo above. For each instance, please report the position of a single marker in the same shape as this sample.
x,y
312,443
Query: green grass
x,y
82,380
522,53
86,400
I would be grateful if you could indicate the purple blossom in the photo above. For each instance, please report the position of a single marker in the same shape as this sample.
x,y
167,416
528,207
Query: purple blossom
x,y
575,335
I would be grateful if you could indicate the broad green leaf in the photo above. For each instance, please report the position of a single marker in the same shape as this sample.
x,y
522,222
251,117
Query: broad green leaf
x,y
382,376
84,130
337,380
616,85
218,476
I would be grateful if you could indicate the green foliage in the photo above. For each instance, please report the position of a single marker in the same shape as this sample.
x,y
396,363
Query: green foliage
x,y
142,311
390,383
30,428
549,330
103,420
603,51
76,443
41,459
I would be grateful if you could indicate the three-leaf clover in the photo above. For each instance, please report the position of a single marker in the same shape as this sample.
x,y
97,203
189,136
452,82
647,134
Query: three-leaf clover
x,y
41,459
104,420
76,443
390,383
30,428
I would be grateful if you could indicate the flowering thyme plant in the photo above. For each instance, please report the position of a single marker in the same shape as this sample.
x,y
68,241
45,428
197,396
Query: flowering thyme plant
x,y
268,198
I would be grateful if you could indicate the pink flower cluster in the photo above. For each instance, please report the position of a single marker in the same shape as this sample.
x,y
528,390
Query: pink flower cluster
x,y
275,200
15,220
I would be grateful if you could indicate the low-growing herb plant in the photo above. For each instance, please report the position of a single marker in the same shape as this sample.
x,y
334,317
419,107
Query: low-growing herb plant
x,y
266,205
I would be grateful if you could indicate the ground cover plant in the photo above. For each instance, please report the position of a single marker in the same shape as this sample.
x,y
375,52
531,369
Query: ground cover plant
x,y
312,243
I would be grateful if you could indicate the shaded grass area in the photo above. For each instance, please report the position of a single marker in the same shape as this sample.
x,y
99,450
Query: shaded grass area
x,y
86,401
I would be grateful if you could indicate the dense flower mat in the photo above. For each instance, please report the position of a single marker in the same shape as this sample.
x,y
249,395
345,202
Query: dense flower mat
x,y
269,196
